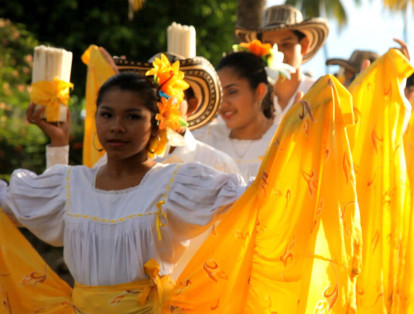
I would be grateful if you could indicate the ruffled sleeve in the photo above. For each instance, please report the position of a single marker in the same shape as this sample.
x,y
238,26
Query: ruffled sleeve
x,y
197,194
38,202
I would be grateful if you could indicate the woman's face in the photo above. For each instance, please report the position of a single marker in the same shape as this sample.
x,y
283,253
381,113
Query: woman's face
x,y
123,124
240,105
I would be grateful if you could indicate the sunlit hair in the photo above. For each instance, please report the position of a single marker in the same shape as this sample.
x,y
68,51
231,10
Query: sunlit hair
x,y
252,68
136,83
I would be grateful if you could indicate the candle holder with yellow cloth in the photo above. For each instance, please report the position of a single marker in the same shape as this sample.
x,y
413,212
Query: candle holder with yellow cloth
x,y
51,82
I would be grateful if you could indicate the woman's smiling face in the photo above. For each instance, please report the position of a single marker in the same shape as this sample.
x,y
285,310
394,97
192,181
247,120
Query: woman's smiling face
x,y
123,123
240,104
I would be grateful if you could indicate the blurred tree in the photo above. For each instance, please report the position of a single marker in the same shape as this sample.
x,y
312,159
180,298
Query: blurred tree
x,y
331,9
17,138
75,24
398,5
401,6
21,144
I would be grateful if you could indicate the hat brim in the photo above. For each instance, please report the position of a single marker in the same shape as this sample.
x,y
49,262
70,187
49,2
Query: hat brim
x,y
343,63
200,75
316,30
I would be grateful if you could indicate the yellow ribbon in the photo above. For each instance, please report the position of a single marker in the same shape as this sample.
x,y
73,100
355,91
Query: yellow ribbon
x,y
51,95
158,223
164,286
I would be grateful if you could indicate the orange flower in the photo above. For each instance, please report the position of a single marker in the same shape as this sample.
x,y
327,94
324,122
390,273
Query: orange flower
x,y
257,48
169,77
169,115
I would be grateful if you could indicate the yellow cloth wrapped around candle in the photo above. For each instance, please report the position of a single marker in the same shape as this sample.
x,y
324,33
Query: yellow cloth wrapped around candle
x,y
51,95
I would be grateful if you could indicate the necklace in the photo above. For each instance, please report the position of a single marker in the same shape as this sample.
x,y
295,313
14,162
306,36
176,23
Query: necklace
x,y
241,147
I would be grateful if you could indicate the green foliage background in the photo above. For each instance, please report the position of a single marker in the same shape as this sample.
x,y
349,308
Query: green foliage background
x,y
21,145
74,25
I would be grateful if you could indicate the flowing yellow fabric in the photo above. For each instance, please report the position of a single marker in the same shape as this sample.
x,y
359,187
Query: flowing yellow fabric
x,y
144,296
51,95
27,283
99,71
382,186
291,243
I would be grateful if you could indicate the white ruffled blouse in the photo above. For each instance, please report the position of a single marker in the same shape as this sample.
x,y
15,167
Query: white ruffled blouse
x,y
248,154
109,235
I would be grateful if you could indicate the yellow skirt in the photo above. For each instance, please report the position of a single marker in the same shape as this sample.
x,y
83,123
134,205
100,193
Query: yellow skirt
x,y
29,285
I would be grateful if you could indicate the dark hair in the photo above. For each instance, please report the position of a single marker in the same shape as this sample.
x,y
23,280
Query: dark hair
x,y
252,68
410,81
133,82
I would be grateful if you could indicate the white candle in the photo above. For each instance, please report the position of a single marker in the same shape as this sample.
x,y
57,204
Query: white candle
x,y
181,40
192,44
49,63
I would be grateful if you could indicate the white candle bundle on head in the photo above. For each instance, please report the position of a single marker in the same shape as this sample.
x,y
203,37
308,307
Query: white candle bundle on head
x,y
52,65
181,40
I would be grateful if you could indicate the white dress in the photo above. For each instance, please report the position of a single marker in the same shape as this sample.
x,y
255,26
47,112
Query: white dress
x,y
109,235
248,154
194,150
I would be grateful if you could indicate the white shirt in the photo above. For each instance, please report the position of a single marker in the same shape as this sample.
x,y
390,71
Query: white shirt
x,y
248,154
194,150
109,235
304,85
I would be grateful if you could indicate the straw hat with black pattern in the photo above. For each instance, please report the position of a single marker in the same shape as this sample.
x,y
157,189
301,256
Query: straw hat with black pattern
x,y
199,73
286,17
354,63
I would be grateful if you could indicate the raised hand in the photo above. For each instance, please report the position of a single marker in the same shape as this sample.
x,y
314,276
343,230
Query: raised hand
x,y
403,47
57,132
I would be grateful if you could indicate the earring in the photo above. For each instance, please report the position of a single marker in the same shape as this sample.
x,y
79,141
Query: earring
x,y
93,143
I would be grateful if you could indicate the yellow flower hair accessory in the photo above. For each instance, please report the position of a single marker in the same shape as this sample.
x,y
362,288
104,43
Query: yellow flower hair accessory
x,y
272,58
171,86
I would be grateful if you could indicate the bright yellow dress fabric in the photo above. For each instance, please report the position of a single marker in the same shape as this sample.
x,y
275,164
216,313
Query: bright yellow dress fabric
x,y
27,283
99,71
291,243
383,188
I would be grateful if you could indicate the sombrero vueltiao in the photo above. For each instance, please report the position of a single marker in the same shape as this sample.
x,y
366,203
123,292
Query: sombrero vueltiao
x,y
286,17
199,73
355,61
